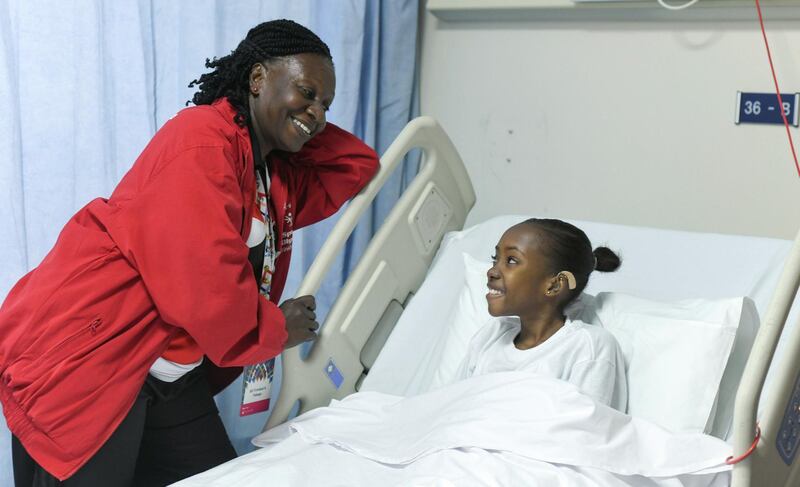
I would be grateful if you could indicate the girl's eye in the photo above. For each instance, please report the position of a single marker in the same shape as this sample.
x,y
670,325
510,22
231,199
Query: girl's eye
x,y
494,259
511,260
306,92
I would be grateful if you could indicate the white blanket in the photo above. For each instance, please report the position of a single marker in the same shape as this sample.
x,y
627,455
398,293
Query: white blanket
x,y
510,428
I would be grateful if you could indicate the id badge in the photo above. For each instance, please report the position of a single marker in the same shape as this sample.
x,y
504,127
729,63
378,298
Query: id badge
x,y
256,387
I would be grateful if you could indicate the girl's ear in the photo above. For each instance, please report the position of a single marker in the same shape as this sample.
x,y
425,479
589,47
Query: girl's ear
x,y
553,287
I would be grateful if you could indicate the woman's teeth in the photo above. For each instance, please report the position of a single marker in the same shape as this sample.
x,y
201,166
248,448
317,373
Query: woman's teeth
x,y
302,126
495,292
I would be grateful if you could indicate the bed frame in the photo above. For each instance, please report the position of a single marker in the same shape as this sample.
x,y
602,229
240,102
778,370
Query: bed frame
x,y
772,461
392,268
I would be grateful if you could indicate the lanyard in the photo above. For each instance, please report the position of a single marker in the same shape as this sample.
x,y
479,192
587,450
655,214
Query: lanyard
x,y
257,382
256,255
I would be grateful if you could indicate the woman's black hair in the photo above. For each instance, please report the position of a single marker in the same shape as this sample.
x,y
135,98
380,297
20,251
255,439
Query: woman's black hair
x,y
567,248
264,42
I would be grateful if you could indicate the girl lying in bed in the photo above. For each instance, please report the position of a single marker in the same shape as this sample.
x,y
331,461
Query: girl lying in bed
x,y
540,267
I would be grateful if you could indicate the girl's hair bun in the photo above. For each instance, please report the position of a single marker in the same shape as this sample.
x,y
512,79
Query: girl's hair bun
x,y
606,260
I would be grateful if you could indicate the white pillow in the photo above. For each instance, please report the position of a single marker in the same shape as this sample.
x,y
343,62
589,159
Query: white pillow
x,y
468,314
676,354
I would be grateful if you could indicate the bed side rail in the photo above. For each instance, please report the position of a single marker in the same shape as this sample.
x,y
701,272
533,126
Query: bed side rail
x,y
773,461
393,266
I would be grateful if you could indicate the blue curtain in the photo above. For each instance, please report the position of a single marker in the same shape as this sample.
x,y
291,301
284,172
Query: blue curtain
x,y
85,84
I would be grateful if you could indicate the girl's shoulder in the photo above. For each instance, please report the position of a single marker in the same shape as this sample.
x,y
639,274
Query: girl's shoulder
x,y
600,340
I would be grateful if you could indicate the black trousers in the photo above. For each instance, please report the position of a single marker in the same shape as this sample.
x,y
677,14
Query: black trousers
x,y
172,431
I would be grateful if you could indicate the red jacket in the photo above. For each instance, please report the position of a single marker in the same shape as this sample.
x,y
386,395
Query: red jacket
x,y
164,256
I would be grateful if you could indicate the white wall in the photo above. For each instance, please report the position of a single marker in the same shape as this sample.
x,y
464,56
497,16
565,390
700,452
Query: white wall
x,y
625,122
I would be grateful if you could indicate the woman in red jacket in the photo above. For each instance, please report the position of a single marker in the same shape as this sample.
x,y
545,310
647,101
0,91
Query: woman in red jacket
x,y
108,346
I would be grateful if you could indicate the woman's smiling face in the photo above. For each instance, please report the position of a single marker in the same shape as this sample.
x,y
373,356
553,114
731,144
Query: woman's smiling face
x,y
288,100
520,276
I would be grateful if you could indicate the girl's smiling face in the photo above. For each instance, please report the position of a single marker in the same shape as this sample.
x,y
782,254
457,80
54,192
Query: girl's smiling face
x,y
520,277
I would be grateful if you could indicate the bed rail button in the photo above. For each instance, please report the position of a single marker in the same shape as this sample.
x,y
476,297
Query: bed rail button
x,y
334,374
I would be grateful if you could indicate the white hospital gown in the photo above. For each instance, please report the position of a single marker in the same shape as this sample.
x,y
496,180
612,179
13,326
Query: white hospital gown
x,y
582,354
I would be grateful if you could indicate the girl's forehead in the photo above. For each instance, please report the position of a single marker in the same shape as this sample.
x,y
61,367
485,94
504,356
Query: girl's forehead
x,y
521,236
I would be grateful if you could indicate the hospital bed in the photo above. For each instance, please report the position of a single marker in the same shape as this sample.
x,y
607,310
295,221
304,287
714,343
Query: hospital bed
x,y
378,334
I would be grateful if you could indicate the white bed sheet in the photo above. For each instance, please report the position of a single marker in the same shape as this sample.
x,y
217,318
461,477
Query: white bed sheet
x,y
657,264
510,428
296,463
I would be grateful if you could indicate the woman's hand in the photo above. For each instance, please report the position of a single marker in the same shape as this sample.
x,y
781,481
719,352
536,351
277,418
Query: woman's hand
x,y
301,321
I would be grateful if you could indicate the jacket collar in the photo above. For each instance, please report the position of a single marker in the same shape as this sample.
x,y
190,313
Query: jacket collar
x,y
224,107
281,208
247,175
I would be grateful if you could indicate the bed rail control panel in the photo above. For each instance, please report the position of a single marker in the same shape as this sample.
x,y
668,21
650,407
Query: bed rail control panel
x,y
430,219
789,434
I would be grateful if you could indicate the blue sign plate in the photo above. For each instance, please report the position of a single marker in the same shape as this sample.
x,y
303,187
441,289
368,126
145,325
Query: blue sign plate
x,y
763,108
332,371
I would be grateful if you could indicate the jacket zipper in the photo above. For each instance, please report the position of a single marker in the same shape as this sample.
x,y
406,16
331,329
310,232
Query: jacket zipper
x,y
91,328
